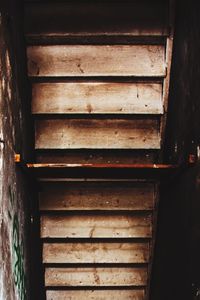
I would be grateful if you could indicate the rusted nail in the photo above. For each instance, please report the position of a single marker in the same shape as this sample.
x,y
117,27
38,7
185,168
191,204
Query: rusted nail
x,y
17,158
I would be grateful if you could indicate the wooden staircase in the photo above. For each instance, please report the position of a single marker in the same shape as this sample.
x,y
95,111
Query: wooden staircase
x,y
100,79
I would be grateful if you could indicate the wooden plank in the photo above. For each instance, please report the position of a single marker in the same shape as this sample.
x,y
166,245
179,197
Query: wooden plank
x,y
97,156
120,171
97,98
96,253
97,196
97,134
100,60
95,276
96,226
134,18
96,295
166,85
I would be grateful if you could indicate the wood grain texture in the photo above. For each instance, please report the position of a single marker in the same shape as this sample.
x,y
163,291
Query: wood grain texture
x,y
97,98
96,295
96,226
97,196
96,253
97,134
76,18
100,60
95,276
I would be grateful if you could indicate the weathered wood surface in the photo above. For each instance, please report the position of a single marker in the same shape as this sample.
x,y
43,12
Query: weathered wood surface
x,y
97,98
96,252
96,226
97,134
100,60
97,156
97,196
142,171
96,295
95,276
76,18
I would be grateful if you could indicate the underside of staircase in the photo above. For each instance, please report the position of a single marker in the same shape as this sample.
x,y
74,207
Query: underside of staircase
x,y
99,74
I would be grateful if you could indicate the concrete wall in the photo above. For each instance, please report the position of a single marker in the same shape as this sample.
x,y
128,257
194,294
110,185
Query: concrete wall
x,y
176,271
14,125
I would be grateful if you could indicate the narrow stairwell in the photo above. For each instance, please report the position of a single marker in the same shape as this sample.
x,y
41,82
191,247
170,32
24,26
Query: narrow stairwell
x,y
100,79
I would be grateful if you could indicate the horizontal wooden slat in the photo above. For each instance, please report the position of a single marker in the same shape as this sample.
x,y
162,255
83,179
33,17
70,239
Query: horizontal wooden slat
x,y
97,196
125,17
95,276
99,98
100,60
120,171
97,156
96,253
96,226
97,134
96,295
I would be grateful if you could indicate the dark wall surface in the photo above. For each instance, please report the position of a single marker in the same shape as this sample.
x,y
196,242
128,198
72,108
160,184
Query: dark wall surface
x,y
176,270
14,138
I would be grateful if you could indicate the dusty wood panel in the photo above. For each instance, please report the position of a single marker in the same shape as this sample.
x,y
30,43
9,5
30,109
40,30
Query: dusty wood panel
x,y
101,60
125,17
99,98
96,226
95,276
96,253
97,196
97,156
97,134
96,295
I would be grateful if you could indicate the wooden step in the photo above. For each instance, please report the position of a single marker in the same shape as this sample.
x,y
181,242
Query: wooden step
x,y
96,225
97,98
112,277
77,196
60,18
95,253
96,60
97,156
97,134
135,294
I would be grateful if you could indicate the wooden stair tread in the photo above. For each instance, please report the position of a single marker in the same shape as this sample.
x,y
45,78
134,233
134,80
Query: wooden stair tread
x,y
88,60
120,17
